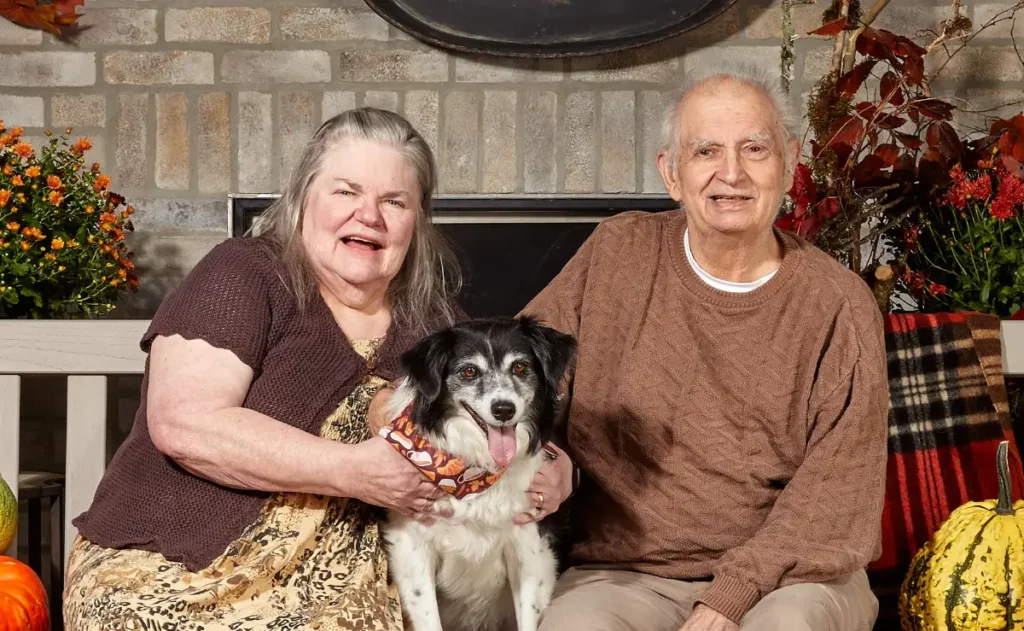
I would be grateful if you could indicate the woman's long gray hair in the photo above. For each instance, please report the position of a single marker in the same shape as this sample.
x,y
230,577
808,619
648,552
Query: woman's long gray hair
x,y
424,289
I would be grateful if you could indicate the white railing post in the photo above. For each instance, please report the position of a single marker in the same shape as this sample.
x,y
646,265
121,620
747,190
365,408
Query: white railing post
x,y
86,450
10,424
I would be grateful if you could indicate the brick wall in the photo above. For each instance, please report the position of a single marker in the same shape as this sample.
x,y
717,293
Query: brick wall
x,y
187,101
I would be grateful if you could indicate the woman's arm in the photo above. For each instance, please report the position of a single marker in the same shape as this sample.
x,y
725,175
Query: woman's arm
x,y
195,416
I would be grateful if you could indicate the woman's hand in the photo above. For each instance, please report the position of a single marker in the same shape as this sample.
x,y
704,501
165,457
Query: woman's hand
x,y
550,487
385,478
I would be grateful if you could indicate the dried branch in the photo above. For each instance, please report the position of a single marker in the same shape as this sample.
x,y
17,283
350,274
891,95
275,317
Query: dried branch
x,y
840,41
1002,16
850,57
955,27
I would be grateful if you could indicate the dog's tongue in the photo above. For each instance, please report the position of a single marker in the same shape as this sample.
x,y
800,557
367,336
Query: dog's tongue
x,y
501,441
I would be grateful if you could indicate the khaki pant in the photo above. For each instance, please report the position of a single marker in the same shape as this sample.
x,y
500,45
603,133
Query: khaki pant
x,y
601,599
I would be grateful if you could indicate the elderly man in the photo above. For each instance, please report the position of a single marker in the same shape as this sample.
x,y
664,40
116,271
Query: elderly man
x,y
729,402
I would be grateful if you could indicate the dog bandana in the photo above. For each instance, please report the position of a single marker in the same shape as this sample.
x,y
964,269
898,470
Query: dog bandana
x,y
441,468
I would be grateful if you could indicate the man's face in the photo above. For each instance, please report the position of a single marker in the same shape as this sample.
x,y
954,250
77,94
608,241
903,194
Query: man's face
x,y
731,176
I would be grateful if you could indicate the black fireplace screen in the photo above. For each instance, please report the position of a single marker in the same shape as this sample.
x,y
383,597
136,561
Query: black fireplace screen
x,y
509,249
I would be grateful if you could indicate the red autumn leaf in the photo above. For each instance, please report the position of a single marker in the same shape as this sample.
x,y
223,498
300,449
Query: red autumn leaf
x,y
1018,151
867,110
803,192
932,108
890,121
47,17
842,151
846,130
943,137
827,208
913,68
932,169
999,125
868,169
877,43
1017,124
888,152
849,83
906,47
909,141
1013,166
906,164
892,89
830,29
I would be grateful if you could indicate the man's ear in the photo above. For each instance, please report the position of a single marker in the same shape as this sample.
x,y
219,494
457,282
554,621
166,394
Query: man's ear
x,y
669,170
792,158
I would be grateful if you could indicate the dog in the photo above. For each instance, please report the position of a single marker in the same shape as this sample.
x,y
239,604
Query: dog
x,y
485,392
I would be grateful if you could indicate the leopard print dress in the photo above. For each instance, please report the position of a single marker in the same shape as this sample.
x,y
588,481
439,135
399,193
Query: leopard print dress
x,y
308,562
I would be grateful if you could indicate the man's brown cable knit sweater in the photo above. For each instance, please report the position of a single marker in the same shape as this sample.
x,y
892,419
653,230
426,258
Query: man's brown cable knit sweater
x,y
739,437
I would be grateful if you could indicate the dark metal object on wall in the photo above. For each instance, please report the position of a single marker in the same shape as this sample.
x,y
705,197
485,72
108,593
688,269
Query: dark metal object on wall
x,y
546,28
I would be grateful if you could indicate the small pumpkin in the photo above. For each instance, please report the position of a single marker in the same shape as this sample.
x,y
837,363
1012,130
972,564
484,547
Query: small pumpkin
x,y
971,574
22,598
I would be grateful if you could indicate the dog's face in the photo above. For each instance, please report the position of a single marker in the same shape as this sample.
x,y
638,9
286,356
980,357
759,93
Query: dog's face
x,y
485,389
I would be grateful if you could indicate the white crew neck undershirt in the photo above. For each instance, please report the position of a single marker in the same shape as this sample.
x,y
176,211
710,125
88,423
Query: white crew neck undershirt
x,y
718,283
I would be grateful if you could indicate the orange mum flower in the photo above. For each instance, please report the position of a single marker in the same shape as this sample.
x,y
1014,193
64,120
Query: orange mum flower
x,y
17,181
108,217
53,182
81,146
56,198
23,149
72,243
17,132
89,210
57,244
102,182
26,246
50,257
13,225
5,196
8,170
32,171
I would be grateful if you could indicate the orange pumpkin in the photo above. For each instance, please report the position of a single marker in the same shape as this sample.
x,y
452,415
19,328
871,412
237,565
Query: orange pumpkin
x,y
22,598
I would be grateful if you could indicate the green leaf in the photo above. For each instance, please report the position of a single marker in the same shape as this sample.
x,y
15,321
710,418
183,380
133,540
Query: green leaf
x,y
985,291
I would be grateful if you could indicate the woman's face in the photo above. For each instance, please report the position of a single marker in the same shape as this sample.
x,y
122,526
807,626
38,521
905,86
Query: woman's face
x,y
360,215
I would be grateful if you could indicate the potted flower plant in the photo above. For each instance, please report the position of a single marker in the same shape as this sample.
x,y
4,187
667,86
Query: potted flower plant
x,y
62,248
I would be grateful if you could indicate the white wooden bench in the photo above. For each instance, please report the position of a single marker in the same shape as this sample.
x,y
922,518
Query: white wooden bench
x,y
89,351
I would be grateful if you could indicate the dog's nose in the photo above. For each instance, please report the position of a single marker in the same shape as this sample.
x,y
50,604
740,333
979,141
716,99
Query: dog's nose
x,y
503,410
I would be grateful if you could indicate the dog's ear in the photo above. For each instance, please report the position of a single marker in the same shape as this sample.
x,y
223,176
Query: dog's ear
x,y
555,350
425,363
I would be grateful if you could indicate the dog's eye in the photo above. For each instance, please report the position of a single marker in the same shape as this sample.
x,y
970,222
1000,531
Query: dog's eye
x,y
469,372
518,367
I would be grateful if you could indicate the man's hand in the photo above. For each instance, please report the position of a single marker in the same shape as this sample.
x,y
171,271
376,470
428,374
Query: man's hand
x,y
550,487
705,618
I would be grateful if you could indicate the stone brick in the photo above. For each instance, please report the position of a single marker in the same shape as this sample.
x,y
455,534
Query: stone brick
x,y
653,112
175,67
766,22
12,34
817,62
500,155
977,63
984,105
130,151
421,110
540,170
255,143
231,25
172,141
461,141
763,56
909,18
335,103
297,119
985,13
22,111
382,100
647,65
78,110
501,70
175,214
276,66
393,65
332,24
163,259
52,68
580,142
618,142
214,151
124,27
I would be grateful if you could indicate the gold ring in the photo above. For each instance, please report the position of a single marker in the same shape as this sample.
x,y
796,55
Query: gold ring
x,y
540,500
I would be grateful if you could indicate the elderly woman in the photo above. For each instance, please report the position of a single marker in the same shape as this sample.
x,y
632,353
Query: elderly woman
x,y
246,494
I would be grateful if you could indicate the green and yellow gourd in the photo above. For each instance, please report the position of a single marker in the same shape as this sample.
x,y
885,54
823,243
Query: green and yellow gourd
x,y
971,574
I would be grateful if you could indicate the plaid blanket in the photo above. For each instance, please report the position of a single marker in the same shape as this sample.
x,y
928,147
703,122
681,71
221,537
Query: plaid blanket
x,y
948,412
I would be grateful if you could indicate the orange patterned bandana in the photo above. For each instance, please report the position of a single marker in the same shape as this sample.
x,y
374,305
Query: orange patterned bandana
x,y
444,470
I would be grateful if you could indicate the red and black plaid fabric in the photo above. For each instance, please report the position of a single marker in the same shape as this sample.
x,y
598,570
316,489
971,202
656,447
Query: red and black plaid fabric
x,y
948,412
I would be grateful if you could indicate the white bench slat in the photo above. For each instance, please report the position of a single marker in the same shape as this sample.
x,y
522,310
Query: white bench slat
x,y
10,422
75,347
86,448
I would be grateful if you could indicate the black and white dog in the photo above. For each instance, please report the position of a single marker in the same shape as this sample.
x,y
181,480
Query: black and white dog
x,y
485,392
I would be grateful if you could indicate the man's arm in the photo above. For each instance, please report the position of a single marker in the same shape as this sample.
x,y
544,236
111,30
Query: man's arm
x,y
826,522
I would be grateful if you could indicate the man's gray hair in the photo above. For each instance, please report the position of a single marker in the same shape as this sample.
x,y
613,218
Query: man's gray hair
x,y
756,77
430,278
